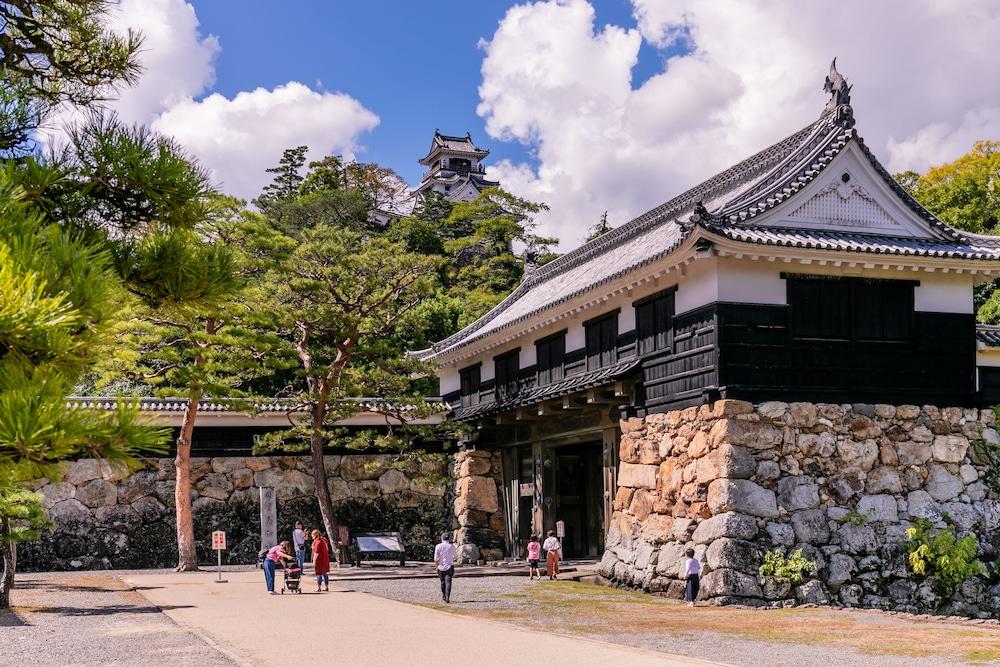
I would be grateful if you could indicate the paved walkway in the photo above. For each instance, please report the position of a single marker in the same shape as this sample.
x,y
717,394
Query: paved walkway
x,y
359,629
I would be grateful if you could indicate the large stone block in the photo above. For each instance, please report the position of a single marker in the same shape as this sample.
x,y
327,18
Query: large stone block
x,y
940,484
857,539
740,555
637,476
884,480
810,526
69,511
920,505
84,470
879,508
858,454
754,435
950,448
476,493
394,481
97,493
797,493
472,466
728,461
839,570
56,493
729,583
729,524
741,495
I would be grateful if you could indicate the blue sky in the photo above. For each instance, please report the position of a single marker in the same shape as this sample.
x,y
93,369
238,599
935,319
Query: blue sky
x,y
415,64
604,108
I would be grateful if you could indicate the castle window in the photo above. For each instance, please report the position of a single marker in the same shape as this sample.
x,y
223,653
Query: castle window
x,y
602,341
550,353
654,322
506,368
850,310
470,381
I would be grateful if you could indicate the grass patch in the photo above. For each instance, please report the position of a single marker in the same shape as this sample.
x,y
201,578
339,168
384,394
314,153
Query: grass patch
x,y
982,656
589,610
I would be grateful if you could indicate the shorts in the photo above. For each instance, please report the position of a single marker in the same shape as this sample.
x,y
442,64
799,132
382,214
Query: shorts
x,y
533,563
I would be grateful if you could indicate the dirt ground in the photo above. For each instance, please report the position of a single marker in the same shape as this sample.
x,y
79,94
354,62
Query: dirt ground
x,y
650,622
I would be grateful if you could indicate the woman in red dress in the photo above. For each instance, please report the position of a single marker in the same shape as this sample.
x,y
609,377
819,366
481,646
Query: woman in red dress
x,y
321,560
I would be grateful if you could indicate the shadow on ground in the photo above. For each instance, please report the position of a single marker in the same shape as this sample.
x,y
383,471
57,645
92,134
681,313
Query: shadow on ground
x,y
11,619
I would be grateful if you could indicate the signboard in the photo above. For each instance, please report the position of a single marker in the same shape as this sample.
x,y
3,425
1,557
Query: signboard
x,y
372,543
268,517
527,490
343,535
218,539
560,529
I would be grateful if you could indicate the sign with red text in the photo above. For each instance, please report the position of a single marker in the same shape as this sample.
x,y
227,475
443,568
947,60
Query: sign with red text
x,y
218,540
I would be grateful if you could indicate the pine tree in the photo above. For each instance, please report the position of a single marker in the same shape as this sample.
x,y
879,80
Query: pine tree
x,y
192,333
287,179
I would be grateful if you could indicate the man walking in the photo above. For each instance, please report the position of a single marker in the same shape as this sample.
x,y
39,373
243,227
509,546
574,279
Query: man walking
x,y
299,542
444,560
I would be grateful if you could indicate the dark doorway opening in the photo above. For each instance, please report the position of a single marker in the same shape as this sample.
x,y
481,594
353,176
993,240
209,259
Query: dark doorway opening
x,y
577,500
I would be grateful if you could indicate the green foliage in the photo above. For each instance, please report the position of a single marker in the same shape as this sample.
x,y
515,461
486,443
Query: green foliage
x,y
287,179
600,229
22,515
56,52
792,569
987,455
942,555
966,194
856,518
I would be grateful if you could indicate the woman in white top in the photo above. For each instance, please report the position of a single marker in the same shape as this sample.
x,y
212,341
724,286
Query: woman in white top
x,y
692,575
553,553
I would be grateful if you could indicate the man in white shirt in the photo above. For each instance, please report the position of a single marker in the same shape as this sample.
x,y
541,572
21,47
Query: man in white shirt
x,y
444,560
553,554
299,542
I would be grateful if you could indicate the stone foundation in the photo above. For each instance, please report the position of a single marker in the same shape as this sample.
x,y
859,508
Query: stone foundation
x,y
477,509
840,482
106,518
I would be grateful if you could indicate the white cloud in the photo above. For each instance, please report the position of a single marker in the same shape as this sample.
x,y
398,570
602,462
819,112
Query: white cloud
x,y
237,139
921,70
178,62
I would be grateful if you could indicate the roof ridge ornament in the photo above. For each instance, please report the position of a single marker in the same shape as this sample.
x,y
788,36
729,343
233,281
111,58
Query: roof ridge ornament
x,y
840,97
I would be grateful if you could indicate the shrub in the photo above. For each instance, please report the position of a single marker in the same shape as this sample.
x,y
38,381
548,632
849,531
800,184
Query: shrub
x,y
941,554
791,568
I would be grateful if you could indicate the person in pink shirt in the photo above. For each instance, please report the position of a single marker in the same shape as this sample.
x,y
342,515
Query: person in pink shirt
x,y
534,555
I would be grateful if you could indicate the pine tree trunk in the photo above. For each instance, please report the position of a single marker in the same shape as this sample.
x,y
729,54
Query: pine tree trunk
x,y
7,580
187,554
319,477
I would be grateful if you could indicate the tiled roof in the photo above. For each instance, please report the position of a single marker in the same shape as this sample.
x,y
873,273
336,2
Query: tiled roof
x,y
728,205
277,406
988,335
457,144
565,387
849,242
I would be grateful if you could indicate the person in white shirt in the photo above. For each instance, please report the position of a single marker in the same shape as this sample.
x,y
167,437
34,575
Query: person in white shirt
x,y
299,542
553,554
691,571
444,560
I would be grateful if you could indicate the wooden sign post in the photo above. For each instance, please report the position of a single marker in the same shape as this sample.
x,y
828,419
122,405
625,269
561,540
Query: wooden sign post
x,y
219,543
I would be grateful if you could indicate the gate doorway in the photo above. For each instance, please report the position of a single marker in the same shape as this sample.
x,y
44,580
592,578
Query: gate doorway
x,y
573,493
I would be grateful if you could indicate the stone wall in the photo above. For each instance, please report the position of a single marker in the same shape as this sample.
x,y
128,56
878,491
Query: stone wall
x,y
108,518
477,509
840,482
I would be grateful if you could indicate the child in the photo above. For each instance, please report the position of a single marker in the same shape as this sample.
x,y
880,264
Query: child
x,y
553,554
692,573
534,555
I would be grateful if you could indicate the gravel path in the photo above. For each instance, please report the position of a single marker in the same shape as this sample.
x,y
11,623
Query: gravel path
x,y
510,599
90,618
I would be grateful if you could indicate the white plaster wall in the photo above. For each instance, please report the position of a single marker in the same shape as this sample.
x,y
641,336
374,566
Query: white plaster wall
x,y
944,293
751,281
988,357
487,370
626,318
450,380
576,336
699,287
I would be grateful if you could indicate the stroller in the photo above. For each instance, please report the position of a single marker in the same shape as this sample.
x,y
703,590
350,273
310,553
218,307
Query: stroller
x,y
292,577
